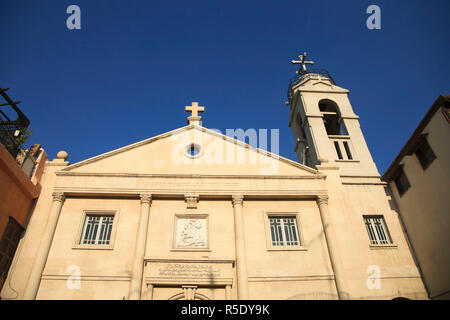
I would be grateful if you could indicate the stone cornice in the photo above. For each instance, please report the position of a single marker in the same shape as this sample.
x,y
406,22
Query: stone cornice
x,y
335,89
187,176
180,193
319,115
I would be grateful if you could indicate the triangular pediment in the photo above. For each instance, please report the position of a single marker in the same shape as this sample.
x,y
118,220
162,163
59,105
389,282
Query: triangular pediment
x,y
168,153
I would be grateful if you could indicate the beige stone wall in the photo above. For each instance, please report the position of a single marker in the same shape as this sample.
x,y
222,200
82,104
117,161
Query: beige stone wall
x,y
293,289
264,261
109,264
425,209
395,261
115,182
97,289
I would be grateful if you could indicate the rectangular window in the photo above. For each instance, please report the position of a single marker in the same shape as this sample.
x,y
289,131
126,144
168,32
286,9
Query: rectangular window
x,y
338,150
425,154
347,150
283,231
402,182
377,230
97,229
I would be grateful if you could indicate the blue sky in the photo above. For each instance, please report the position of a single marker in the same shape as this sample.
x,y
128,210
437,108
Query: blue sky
x,y
134,65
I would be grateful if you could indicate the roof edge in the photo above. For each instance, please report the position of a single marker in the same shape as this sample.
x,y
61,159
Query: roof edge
x,y
441,101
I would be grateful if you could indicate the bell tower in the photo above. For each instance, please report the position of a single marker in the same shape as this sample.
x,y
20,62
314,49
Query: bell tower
x,y
324,125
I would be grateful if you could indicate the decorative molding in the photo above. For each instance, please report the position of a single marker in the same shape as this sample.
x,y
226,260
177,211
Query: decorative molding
x,y
191,200
189,291
322,199
58,196
146,198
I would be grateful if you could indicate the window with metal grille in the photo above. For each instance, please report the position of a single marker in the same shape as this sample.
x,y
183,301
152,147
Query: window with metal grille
x,y
377,230
283,231
97,229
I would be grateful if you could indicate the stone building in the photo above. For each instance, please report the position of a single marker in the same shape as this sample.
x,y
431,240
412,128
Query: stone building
x,y
419,180
20,176
195,214
19,189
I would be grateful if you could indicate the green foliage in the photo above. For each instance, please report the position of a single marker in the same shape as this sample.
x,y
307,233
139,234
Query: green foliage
x,y
16,144
23,136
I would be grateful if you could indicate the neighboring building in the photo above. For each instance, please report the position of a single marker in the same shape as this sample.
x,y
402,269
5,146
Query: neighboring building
x,y
20,173
194,214
420,181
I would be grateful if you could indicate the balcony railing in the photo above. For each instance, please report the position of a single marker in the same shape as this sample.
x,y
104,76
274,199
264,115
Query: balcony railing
x,y
11,129
299,77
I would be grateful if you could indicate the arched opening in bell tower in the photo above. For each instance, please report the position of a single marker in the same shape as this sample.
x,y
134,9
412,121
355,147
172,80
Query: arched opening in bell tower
x,y
332,118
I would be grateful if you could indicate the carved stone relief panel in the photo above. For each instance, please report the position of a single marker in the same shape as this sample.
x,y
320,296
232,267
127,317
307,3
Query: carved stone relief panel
x,y
191,232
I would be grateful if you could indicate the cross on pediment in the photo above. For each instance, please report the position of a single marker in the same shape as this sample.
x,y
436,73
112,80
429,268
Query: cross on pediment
x,y
194,109
302,63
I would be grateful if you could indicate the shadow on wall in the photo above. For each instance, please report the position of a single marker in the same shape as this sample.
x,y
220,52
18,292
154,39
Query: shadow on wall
x,y
390,195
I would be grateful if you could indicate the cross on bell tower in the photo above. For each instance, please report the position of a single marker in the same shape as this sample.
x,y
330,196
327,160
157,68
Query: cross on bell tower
x,y
194,109
302,63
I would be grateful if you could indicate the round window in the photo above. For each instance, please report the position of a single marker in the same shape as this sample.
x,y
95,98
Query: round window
x,y
193,150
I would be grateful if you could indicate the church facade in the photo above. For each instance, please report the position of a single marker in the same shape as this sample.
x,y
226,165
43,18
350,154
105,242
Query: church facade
x,y
194,214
